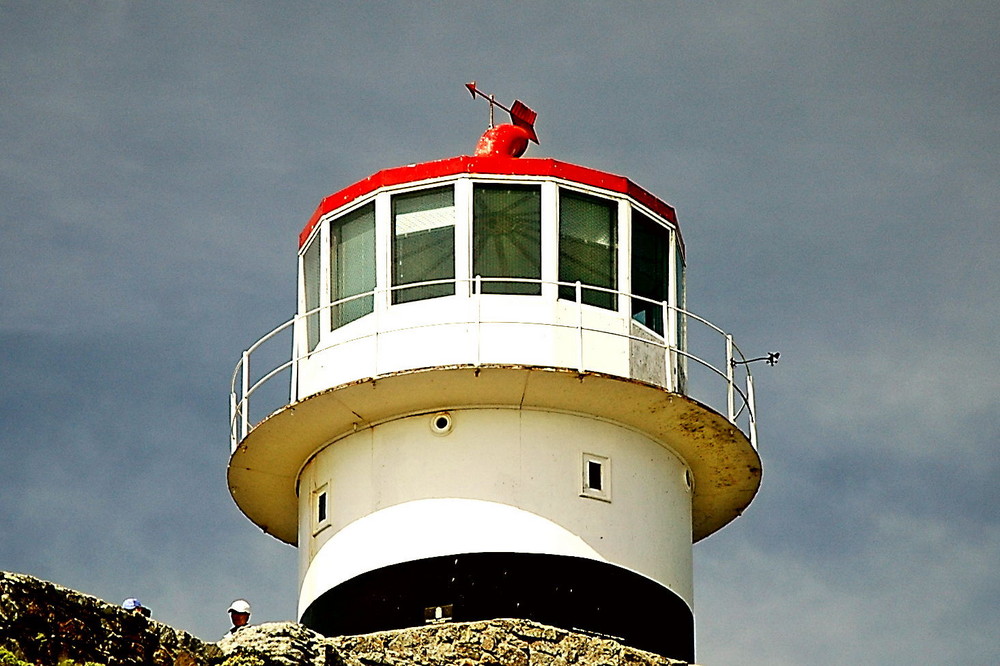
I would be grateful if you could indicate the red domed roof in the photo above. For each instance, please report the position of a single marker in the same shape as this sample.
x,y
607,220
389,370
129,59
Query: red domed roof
x,y
505,166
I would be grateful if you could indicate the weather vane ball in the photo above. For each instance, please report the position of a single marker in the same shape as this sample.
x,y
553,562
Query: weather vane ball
x,y
507,140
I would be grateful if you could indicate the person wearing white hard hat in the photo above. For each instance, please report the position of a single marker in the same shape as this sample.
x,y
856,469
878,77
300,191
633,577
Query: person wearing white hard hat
x,y
239,613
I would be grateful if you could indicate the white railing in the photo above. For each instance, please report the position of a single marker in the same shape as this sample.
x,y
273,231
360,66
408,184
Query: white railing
x,y
734,373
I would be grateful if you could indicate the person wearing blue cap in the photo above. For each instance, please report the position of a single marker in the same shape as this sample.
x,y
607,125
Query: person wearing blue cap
x,y
134,605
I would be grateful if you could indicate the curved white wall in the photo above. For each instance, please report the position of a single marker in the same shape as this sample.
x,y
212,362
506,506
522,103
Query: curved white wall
x,y
473,330
430,528
393,495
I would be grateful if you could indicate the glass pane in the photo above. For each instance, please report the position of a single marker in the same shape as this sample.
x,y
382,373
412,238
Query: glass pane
x,y
587,246
310,288
507,237
423,248
352,264
650,270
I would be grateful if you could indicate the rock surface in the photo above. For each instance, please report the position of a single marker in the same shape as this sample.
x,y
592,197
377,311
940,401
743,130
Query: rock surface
x,y
47,625
491,643
43,623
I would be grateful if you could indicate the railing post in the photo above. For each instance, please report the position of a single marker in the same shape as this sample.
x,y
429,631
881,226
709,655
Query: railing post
x,y
752,409
477,291
670,345
730,402
293,389
579,326
378,303
245,399
233,438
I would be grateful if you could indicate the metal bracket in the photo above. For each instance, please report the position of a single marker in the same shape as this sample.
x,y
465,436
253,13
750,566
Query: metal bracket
x,y
770,359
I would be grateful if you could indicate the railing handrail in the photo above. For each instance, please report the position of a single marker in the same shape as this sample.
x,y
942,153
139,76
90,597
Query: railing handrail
x,y
240,398
476,280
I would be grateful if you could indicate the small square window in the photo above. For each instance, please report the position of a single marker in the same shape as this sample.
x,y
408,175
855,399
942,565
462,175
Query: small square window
x,y
596,477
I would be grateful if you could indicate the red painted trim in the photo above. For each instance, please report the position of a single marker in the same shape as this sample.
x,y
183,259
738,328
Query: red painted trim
x,y
486,166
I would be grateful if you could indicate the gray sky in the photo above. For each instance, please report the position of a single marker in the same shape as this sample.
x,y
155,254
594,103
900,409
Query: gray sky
x,y
835,170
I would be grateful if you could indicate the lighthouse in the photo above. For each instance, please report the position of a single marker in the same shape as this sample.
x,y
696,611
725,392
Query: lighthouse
x,y
497,403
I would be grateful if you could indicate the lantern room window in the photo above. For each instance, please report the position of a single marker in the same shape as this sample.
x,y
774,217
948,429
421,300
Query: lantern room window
x,y
352,265
311,291
507,237
588,246
513,234
650,270
423,243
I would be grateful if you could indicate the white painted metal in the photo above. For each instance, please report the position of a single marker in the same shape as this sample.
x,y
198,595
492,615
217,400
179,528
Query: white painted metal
x,y
730,400
482,328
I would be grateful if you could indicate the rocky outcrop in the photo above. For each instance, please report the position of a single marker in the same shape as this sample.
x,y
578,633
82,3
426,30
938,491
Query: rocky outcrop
x,y
43,623
278,644
488,643
491,643
46,625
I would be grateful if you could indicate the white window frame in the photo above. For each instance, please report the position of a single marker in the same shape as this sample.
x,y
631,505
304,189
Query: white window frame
x,y
320,494
604,464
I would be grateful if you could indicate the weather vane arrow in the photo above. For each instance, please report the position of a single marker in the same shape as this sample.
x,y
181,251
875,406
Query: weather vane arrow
x,y
520,114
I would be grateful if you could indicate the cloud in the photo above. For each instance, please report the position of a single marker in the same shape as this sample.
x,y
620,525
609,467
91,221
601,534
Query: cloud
x,y
890,602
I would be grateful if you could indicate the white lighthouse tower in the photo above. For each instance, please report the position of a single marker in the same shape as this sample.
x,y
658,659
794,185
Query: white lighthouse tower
x,y
500,405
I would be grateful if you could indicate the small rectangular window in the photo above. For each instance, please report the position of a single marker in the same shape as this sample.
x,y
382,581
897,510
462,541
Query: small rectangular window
x,y
321,509
588,247
423,243
596,477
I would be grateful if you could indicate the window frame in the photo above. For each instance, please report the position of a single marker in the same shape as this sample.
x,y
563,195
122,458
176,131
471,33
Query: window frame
x,y
606,300
512,288
601,491
667,236
310,337
332,254
319,508
398,289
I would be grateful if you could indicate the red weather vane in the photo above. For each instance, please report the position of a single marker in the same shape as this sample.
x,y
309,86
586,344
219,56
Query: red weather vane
x,y
506,140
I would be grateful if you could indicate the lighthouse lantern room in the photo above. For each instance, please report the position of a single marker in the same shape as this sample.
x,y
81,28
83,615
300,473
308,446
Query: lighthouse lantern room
x,y
496,407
